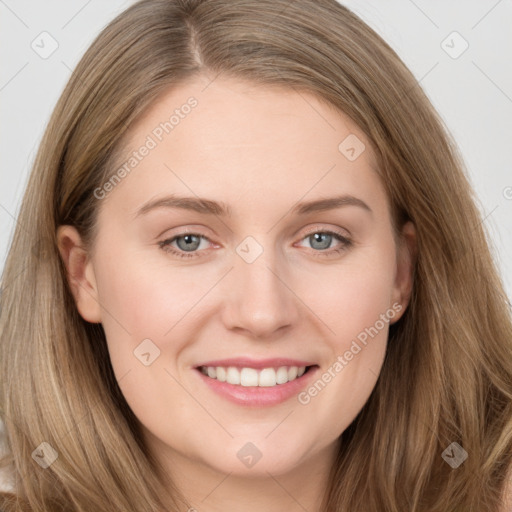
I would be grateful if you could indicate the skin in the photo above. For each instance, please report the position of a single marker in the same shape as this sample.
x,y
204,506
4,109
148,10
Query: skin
x,y
260,150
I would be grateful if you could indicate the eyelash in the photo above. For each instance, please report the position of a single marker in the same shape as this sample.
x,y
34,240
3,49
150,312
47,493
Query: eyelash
x,y
346,243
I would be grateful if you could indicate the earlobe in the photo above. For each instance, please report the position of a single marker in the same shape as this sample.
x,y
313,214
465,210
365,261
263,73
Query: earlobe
x,y
406,259
80,273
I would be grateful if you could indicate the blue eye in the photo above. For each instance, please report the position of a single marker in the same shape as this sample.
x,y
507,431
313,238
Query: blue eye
x,y
189,243
322,240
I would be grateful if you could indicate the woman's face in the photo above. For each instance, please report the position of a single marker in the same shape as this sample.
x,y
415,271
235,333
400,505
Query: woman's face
x,y
281,257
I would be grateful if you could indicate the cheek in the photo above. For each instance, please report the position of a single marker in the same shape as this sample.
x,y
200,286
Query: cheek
x,y
355,305
152,301
144,302
358,316
144,298
352,296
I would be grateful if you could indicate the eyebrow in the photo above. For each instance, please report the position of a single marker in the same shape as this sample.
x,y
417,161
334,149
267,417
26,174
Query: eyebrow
x,y
209,207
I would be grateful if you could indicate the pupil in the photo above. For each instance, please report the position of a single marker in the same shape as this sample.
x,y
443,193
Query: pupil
x,y
327,239
190,243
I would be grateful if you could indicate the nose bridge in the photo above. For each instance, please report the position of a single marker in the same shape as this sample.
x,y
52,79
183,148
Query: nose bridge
x,y
260,301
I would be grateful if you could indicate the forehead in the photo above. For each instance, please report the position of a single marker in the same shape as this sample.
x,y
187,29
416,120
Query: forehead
x,y
209,138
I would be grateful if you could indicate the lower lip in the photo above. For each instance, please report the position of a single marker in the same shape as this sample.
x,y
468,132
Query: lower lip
x,y
256,396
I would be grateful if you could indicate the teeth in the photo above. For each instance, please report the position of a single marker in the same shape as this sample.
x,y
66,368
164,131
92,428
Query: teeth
x,y
266,377
282,375
221,374
232,376
249,377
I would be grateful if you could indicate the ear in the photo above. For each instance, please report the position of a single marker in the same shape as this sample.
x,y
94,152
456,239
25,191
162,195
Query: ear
x,y
80,273
404,277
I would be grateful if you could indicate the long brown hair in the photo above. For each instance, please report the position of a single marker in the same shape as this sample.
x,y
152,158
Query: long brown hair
x,y
447,375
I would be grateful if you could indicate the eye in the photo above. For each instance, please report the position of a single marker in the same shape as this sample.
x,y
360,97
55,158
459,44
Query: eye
x,y
320,240
186,242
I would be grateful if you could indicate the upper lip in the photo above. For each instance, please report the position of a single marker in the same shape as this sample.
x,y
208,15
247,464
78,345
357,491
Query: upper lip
x,y
247,362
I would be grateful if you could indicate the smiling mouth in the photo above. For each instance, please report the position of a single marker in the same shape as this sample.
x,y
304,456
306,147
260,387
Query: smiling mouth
x,y
251,377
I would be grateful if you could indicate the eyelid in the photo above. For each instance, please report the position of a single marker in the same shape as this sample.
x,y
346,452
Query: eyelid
x,y
192,229
344,233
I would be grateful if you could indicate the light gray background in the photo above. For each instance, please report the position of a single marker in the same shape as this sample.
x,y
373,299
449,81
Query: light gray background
x,y
473,92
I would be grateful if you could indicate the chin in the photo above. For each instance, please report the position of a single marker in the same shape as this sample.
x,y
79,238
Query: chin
x,y
257,459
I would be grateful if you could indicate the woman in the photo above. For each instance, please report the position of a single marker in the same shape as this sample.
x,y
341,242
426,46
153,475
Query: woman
x,y
256,279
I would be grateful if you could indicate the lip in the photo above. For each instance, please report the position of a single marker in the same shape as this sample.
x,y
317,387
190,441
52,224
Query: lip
x,y
257,364
255,396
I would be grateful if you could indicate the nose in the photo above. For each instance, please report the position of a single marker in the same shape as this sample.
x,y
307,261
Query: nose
x,y
259,298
